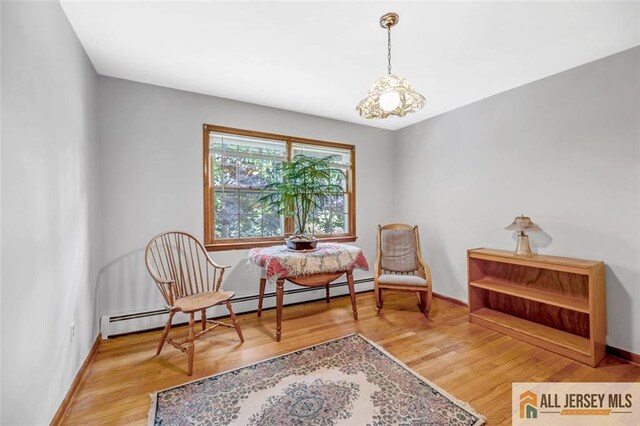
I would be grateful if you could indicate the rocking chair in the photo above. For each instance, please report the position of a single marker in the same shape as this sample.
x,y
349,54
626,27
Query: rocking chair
x,y
399,265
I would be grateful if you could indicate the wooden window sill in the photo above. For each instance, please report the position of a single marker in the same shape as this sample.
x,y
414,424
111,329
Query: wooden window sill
x,y
243,245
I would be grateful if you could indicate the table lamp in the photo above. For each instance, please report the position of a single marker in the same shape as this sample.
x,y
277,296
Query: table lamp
x,y
522,224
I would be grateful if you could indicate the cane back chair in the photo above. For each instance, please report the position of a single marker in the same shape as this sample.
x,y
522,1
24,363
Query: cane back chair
x,y
399,265
190,282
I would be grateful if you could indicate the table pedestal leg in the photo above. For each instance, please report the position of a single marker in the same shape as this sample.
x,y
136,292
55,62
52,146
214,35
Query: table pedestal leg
x,y
352,293
279,297
263,282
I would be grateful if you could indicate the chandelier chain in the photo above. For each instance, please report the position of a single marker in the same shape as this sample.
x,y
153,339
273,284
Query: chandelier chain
x,y
405,99
389,49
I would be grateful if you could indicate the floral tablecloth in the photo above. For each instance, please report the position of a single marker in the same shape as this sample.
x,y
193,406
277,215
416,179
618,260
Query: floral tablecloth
x,y
280,262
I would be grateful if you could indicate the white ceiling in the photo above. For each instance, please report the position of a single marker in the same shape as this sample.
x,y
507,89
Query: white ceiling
x,y
321,57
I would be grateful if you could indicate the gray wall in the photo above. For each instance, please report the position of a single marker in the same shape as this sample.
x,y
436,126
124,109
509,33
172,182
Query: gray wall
x,y
563,150
151,145
50,211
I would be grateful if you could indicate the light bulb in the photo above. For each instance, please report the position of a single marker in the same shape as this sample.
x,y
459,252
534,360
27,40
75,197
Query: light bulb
x,y
389,100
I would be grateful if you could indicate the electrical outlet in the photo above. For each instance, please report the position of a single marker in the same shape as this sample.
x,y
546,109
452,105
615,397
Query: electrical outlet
x,y
72,331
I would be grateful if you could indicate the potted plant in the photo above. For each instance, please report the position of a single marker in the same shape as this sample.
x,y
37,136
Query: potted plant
x,y
305,187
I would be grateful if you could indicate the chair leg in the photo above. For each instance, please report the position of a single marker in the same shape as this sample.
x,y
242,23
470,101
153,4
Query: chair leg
x,y
165,333
328,296
234,320
190,345
378,292
423,303
203,319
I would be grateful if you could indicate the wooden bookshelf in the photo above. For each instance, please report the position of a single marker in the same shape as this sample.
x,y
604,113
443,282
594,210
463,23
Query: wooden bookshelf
x,y
557,303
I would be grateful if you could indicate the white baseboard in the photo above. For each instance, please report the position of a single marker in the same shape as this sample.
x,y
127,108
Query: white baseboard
x,y
130,322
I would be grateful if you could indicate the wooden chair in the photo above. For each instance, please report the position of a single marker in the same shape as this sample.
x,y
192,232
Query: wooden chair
x,y
399,265
190,282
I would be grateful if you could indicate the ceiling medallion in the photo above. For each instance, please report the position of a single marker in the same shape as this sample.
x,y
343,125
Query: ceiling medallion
x,y
391,94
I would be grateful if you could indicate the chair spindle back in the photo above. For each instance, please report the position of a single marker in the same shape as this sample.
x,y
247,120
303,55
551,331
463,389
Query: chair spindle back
x,y
180,258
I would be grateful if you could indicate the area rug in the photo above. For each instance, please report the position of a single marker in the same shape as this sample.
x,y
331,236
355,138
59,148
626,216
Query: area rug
x,y
347,381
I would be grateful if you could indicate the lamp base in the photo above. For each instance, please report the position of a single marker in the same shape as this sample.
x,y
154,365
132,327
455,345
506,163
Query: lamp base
x,y
523,248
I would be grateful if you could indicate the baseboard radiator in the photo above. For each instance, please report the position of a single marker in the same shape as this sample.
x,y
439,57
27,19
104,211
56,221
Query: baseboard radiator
x,y
130,322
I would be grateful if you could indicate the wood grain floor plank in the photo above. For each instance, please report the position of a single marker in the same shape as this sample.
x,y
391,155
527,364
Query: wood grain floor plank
x,y
474,364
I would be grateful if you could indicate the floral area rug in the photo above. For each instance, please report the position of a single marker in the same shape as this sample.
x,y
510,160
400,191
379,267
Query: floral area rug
x,y
347,381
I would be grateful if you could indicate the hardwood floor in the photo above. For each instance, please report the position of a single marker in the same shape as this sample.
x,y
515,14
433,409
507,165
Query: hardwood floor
x,y
472,363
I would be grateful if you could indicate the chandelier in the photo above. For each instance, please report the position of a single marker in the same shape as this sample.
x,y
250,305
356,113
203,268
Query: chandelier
x,y
391,94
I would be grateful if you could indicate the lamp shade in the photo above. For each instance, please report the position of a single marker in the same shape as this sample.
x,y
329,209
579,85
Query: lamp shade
x,y
523,224
390,95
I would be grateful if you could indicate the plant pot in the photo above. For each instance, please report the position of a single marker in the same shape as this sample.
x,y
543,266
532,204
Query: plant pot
x,y
300,244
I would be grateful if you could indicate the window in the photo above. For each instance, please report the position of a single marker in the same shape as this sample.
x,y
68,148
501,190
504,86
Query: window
x,y
239,163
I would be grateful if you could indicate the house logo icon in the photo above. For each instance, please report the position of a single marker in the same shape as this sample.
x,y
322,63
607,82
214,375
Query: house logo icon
x,y
528,405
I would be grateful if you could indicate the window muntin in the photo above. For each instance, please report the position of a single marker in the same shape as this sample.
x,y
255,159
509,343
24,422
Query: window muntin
x,y
239,163
241,167
333,218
